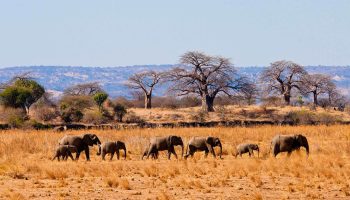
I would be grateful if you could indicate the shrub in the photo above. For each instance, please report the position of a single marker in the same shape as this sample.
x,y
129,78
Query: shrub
x,y
119,111
221,110
131,117
300,117
46,113
94,117
15,118
328,119
200,116
72,116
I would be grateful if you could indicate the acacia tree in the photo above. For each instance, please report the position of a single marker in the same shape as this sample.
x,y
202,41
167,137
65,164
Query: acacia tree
x,y
207,76
281,77
317,84
145,82
21,92
87,89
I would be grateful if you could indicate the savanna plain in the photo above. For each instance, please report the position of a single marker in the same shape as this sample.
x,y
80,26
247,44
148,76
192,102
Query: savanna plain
x,y
27,172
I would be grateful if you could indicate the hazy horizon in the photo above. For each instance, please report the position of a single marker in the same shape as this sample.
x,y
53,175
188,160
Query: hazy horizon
x,y
118,33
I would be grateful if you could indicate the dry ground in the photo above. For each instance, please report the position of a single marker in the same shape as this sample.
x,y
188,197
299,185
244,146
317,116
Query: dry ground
x,y
26,171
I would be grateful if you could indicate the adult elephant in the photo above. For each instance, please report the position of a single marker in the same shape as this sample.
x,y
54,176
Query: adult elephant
x,y
205,144
165,143
82,143
288,143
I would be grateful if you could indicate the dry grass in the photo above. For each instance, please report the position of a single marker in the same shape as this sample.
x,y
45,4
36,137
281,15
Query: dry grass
x,y
230,113
26,171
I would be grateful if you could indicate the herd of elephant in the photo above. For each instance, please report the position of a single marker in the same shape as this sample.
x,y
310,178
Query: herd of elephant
x,y
77,144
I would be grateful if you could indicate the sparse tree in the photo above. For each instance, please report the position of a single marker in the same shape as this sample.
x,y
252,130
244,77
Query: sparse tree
x,y
207,76
316,84
281,77
145,82
250,93
86,89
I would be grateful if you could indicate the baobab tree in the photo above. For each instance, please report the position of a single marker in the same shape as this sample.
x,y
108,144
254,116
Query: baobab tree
x,y
317,84
206,76
145,82
281,77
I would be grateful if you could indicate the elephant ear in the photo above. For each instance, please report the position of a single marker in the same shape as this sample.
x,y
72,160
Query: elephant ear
x,y
210,140
88,139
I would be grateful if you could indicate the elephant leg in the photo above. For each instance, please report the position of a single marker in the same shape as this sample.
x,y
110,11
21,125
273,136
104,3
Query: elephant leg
x,y
150,151
87,153
212,151
77,156
70,155
171,151
275,150
289,153
58,158
112,154
206,153
118,154
240,154
103,155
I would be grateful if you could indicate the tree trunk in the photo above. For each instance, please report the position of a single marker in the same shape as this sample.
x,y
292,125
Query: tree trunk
x,y
315,99
148,101
287,99
207,103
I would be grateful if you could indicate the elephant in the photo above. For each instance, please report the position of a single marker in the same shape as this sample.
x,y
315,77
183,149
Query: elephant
x,y
205,144
111,147
246,148
153,154
82,143
165,143
288,143
65,151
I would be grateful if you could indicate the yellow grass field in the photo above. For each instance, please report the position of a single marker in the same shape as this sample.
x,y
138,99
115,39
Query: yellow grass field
x,y
26,171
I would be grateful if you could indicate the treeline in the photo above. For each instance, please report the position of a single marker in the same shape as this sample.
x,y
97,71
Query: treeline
x,y
199,80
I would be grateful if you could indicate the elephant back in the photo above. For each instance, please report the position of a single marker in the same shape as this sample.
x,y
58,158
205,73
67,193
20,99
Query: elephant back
x,y
71,140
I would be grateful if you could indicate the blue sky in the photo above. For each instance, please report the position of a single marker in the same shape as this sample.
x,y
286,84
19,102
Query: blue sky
x,y
119,33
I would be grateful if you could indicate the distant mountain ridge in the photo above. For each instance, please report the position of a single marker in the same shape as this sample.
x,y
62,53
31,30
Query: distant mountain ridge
x,y
56,78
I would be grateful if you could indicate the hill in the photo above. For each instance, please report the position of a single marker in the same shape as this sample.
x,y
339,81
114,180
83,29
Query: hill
x,y
57,78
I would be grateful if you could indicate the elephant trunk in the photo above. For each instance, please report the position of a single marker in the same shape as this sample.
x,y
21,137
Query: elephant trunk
x,y
258,151
99,150
182,151
220,145
306,145
124,153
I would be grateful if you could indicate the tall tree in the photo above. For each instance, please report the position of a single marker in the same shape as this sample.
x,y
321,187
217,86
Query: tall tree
x,y
145,82
282,77
206,76
316,84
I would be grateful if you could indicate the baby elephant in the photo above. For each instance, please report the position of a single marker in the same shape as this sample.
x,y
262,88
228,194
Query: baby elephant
x,y
65,151
111,147
246,148
153,154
